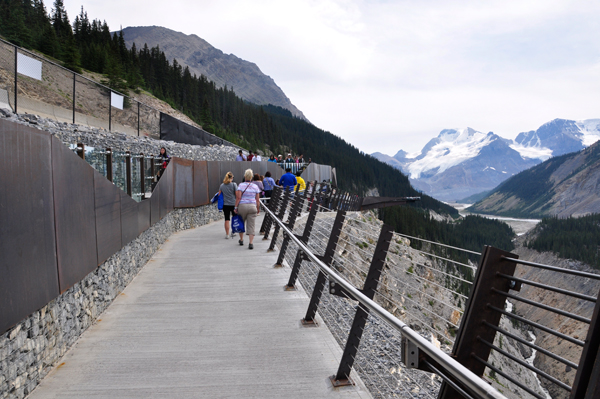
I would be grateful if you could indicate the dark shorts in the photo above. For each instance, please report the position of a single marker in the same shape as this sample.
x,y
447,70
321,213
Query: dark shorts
x,y
228,210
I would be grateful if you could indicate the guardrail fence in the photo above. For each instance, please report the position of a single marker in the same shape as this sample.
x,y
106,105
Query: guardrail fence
x,y
404,315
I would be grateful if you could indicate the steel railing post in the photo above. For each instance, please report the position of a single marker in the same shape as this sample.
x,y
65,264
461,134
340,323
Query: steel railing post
x,y
109,110
109,174
81,150
142,175
138,103
310,221
128,171
327,259
472,331
74,80
272,205
282,208
312,196
16,82
342,376
294,212
587,380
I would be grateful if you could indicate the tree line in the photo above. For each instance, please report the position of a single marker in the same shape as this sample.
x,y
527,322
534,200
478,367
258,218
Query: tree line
x,y
570,238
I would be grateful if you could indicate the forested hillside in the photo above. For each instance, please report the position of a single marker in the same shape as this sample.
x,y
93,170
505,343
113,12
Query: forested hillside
x,y
571,238
89,44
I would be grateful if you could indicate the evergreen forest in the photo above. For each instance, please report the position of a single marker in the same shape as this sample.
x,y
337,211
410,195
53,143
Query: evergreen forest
x,y
89,44
571,238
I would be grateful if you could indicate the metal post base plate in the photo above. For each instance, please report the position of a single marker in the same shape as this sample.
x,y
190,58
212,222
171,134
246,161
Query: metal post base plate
x,y
277,266
289,288
340,383
309,323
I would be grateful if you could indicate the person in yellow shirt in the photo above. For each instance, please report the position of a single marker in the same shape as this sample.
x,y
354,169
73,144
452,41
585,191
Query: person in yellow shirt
x,y
301,183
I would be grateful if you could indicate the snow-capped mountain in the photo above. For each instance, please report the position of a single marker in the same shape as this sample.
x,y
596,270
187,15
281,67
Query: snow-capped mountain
x,y
462,162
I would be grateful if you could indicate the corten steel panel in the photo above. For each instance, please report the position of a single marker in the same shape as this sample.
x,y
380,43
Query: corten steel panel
x,y
165,192
261,169
200,183
184,183
154,207
75,215
129,219
108,217
170,175
224,167
28,264
143,212
214,178
238,171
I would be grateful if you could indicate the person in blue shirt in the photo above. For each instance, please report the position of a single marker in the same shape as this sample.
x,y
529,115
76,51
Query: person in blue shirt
x,y
268,184
288,180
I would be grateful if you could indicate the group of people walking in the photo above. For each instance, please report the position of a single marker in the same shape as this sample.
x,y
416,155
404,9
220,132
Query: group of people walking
x,y
244,199
299,159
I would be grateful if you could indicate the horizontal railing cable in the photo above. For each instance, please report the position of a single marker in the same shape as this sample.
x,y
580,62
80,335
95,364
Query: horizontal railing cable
x,y
540,326
545,307
553,268
526,365
509,378
437,243
549,287
451,366
532,345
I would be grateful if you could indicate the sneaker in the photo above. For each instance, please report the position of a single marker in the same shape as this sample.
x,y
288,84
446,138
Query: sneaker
x,y
241,242
250,246
226,236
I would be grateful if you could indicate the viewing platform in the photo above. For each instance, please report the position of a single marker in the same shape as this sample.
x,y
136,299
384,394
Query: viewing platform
x,y
207,318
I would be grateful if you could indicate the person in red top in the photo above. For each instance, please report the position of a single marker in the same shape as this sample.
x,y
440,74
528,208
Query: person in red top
x,y
250,156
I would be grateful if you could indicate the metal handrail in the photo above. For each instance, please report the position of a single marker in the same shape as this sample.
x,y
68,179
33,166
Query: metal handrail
x,y
478,386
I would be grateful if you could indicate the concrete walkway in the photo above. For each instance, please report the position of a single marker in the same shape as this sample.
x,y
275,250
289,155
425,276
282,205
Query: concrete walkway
x,y
205,318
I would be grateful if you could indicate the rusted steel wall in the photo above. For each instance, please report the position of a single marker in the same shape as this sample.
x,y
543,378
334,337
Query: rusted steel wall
x,y
60,219
28,274
75,215
108,217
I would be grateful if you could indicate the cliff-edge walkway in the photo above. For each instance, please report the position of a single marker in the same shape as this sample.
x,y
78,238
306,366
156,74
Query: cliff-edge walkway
x,y
205,318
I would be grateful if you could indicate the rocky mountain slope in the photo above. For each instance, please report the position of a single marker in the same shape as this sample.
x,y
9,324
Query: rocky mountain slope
x,y
244,77
568,185
461,162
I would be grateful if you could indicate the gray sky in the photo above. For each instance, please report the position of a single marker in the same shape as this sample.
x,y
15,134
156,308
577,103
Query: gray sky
x,y
390,75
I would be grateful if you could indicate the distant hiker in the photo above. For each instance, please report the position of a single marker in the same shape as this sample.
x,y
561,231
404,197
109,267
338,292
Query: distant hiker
x,y
301,159
250,156
247,205
228,188
268,184
240,156
279,159
288,180
272,158
301,183
257,157
165,159
289,159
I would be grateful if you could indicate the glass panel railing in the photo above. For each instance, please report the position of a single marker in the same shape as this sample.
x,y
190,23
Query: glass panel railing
x,y
96,157
119,163
149,177
136,177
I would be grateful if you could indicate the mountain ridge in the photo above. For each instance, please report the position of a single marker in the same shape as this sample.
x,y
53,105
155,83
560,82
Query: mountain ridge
x,y
566,185
244,77
459,163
